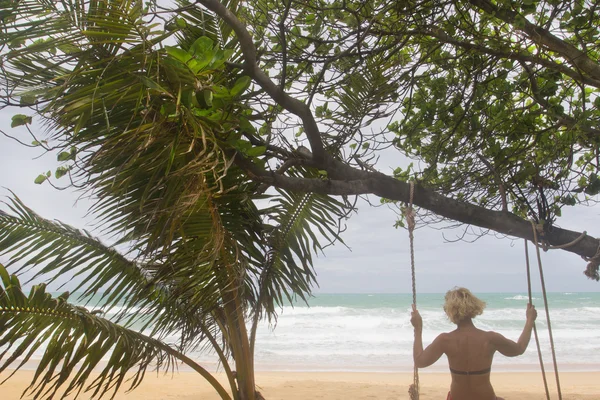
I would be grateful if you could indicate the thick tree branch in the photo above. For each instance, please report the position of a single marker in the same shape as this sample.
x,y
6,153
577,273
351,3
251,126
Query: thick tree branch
x,y
543,37
390,188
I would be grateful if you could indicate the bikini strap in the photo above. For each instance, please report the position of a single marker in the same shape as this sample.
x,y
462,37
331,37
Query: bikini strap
x,y
480,372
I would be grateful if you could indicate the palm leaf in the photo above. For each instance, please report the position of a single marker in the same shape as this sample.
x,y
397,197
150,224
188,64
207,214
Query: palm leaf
x,y
76,342
55,249
302,222
201,22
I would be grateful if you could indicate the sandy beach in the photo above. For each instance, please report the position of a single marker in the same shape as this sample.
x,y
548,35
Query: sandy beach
x,y
340,385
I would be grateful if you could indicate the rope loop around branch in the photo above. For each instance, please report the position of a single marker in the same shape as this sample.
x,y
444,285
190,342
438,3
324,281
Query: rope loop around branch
x,y
592,269
539,232
595,257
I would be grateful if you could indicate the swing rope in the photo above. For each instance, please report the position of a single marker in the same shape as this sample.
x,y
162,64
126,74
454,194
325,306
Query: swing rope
x,y
539,259
409,214
535,333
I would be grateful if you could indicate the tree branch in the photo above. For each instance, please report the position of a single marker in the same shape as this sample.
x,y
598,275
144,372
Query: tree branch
x,y
390,188
511,55
543,37
251,67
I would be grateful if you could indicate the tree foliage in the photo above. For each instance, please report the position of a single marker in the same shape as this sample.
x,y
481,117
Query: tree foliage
x,y
179,117
495,102
481,93
145,110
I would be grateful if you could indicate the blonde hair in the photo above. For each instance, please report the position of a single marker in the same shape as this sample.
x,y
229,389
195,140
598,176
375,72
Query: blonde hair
x,y
461,304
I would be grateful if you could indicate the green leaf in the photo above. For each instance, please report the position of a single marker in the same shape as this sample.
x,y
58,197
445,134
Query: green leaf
x,y
202,47
68,48
256,151
240,85
242,145
64,156
28,100
181,23
178,54
41,178
219,58
16,43
168,109
61,171
204,98
187,97
221,92
20,119
246,125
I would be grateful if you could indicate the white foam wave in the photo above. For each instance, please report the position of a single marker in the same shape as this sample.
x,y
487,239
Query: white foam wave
x,y
520,297
288,310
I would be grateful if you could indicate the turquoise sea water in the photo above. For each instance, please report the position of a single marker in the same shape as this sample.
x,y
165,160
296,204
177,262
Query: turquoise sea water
x,y
372,332
366,332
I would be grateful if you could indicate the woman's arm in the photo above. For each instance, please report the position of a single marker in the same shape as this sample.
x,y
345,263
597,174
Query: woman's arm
x,y
424,358
511,349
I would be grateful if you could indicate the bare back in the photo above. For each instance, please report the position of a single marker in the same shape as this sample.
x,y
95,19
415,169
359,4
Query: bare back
x,y
470,350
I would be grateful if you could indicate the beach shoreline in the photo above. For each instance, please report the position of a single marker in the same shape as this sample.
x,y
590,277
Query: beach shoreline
x,y
337,385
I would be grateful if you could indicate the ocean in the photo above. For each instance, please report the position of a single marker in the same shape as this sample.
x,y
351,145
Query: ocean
x,y
372,332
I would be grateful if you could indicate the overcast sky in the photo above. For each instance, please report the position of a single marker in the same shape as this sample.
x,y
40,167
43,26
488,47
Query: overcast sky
x,y
378,260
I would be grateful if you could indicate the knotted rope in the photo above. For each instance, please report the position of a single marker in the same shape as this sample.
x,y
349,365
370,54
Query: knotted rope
x,y
409,214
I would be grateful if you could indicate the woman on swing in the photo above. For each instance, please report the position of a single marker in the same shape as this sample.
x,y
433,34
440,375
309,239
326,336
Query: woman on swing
x,y
469,350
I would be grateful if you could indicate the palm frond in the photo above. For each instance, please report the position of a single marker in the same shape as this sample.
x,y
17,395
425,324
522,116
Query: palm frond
x,y
55,249
307,220
200,22
303,221
76,343
160,298
48,39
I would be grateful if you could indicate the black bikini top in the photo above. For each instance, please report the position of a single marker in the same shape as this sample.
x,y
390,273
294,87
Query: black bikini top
x,y
480,372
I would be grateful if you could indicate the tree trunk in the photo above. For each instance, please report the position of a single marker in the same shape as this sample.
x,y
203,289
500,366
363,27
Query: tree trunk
x,y
240,346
